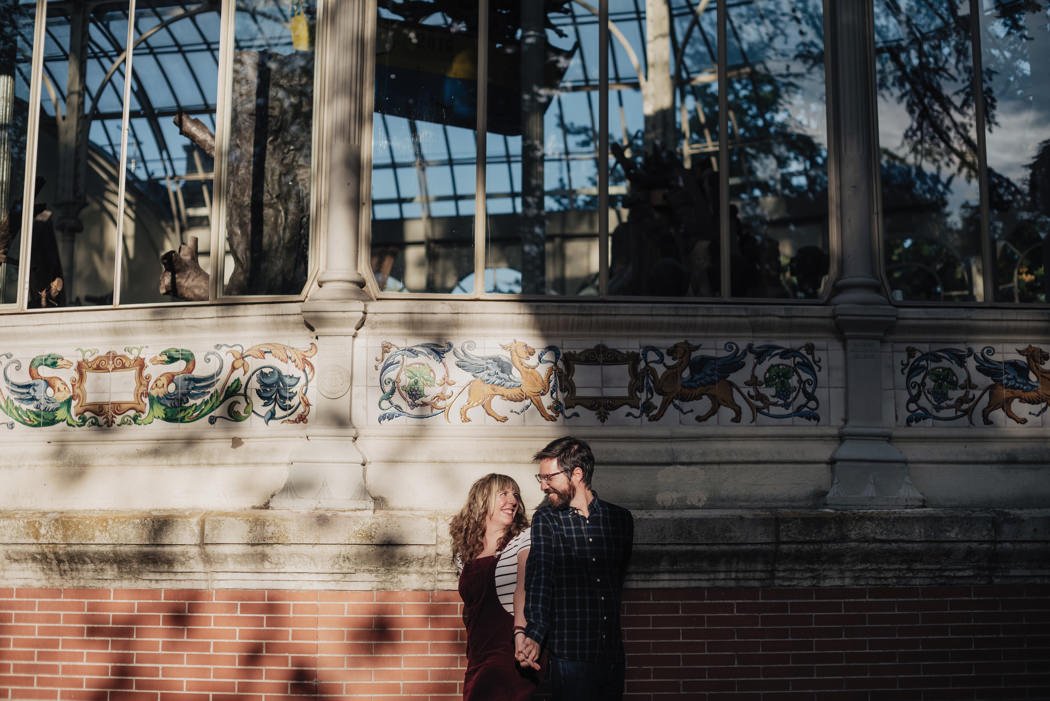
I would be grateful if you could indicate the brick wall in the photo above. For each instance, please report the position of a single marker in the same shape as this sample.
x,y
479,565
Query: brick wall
x,y
700,644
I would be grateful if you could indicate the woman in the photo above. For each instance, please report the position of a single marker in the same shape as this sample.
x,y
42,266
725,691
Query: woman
x,y
490,543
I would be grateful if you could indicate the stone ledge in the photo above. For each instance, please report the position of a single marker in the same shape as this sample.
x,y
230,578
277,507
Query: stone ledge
x,y
399,550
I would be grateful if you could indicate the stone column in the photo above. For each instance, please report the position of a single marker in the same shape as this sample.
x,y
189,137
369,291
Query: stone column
x,y
868,471
346,36
329,472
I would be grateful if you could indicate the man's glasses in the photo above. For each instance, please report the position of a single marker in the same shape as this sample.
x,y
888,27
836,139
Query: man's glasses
x,y
546,479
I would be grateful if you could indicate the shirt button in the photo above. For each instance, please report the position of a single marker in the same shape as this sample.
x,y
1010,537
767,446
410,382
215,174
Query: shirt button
x,y
597,579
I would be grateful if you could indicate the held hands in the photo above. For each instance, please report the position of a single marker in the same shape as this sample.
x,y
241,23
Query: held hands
x,y
526,651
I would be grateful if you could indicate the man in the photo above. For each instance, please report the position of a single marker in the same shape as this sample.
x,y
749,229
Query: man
x,y
574,579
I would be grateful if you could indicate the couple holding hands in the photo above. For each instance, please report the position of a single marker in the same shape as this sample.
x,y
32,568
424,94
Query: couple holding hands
x,y
544,599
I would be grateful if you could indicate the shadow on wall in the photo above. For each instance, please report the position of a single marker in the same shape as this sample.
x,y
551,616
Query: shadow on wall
x,y
239,644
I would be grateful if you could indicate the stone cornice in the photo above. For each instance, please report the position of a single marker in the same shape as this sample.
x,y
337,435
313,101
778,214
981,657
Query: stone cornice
x,y
410,550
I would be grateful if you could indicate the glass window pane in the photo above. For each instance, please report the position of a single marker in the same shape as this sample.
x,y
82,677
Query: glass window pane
x,y
78,156
170,142
930,193
1015,50
778,185
268,168
663,117
423,148
645,256
16,48
542,158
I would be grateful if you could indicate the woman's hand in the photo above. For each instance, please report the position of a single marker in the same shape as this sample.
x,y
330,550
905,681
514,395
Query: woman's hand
x,y
526,651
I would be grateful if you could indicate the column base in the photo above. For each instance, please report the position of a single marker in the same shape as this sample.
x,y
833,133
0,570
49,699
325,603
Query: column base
x,y
331,479
869,473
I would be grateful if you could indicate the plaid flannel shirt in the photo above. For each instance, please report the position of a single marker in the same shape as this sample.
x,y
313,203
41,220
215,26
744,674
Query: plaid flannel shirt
x,y
574,580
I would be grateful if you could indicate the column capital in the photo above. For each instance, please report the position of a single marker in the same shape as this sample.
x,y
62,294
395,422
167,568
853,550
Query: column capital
x,y
865,318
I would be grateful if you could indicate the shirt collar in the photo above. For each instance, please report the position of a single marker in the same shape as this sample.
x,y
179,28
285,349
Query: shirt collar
x,y
593,507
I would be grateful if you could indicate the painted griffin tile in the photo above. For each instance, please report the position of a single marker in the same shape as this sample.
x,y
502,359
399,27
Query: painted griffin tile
x,y
941,387
417,382
268,380
782,382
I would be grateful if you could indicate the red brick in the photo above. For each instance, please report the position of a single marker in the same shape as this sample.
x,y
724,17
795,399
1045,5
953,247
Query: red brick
x,y
817,632
716,594
61,605
33,668
786,593
87,594
271,608
18,630
186,645
48,682
372,689
369,595
37,693
86,670
152,684
77,694
42,643
401,596
840,644
33,618
37,593
211,634
63,631
291,595
110,607
138,594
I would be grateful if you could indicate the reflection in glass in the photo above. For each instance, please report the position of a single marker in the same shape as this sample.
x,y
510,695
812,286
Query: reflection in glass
x,y
778,184
541,160
1015,50
930,190
16,29
78,157
664,119
268,166
424,155
547,100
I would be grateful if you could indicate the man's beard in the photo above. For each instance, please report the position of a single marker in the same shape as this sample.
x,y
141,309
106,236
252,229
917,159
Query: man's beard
x,y
562,497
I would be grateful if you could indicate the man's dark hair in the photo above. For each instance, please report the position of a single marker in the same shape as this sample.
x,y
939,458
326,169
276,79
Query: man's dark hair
x,y
570,453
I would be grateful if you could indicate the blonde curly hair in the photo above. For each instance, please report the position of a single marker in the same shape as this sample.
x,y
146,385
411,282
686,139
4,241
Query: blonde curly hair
x,y
467,527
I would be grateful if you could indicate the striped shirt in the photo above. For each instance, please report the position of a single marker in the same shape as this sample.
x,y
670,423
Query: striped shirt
x,y
574,580
507,569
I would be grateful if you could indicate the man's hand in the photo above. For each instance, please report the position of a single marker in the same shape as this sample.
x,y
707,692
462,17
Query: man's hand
x,y
527,652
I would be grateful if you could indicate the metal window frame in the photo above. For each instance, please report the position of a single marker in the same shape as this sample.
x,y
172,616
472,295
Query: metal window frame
x,y
32,132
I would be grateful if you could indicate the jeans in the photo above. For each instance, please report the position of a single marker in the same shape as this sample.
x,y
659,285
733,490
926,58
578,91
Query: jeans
x,y
586,681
